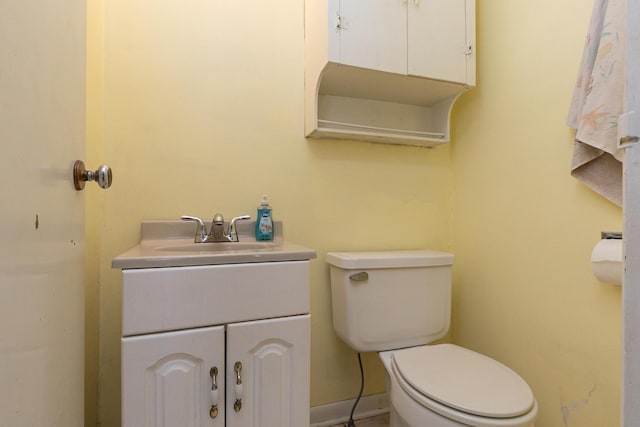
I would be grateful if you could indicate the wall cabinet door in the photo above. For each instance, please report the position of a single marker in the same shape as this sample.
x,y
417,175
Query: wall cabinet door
x,y
424,38
372,34
166,378
437,39
268,373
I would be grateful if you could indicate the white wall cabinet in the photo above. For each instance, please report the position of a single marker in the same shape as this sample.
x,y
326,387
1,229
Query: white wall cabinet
x,y
261,366
386,70
371,35
424,38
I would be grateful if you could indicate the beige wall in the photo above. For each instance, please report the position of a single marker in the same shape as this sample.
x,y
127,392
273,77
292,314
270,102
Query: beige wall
x,y
202,112
523,228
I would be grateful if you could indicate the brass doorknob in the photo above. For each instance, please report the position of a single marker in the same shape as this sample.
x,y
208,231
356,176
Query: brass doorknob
x,y
103,176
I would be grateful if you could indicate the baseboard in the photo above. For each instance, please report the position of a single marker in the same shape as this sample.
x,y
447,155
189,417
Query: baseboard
x,y
338,412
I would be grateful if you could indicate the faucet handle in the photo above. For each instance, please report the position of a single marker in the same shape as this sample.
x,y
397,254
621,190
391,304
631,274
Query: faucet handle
x,y
233,231
201,231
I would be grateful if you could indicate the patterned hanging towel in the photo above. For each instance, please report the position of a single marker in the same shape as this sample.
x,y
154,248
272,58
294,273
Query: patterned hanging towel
x,y
598,101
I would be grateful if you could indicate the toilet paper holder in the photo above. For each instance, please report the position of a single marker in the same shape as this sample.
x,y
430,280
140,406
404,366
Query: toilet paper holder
x,y
607,258
604,235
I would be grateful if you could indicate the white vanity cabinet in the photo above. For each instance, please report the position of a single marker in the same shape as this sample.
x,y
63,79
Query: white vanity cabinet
x,y
274,373
165,378
243,327
424,38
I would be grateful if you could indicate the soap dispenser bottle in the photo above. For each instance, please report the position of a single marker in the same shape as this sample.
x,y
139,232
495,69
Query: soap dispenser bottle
x,y
264,221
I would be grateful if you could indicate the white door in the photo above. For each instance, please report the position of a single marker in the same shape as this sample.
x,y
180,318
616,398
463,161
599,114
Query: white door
x,y
373,34
167,379
631,281
437,39
42,87
270,360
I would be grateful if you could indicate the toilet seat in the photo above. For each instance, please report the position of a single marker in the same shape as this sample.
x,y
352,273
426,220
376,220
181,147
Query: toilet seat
x,y
462,385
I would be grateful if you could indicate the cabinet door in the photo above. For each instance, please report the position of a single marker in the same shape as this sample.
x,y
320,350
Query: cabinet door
x,y
274,389
373,34
166,378
437,39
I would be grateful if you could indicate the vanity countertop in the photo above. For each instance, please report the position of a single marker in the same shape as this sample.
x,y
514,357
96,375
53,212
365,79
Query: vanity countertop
x,y
171,244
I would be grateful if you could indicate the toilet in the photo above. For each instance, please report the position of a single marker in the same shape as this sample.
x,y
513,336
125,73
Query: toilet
x,y
396,303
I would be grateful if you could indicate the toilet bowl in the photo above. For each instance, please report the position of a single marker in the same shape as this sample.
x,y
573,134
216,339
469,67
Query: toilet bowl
x,y
440,385
449,386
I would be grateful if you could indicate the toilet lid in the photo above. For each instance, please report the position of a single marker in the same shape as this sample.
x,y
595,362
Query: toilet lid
x,y
464,380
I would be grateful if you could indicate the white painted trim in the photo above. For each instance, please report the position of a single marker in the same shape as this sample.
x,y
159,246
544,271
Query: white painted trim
x,y
338,412
631,280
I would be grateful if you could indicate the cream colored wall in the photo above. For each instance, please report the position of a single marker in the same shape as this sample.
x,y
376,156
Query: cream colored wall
x,y
523,228
203,112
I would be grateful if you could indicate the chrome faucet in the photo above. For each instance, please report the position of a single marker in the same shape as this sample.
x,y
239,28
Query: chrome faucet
x,y
217,232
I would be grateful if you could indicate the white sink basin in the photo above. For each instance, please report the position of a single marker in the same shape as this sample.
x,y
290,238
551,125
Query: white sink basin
x,y
170,244
217,247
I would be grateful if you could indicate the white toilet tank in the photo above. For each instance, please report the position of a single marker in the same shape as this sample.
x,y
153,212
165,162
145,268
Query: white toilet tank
x,y
389,300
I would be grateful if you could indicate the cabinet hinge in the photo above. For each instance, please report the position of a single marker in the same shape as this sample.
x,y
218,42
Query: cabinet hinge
x,y
468,50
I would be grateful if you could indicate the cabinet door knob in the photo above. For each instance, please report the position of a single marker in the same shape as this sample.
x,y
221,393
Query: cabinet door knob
x,y
238,388
213,412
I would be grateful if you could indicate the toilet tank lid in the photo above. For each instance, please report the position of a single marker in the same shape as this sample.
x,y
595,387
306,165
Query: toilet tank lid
x,y
389,259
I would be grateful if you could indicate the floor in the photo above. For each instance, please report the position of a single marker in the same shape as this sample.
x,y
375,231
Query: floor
x,y
379,421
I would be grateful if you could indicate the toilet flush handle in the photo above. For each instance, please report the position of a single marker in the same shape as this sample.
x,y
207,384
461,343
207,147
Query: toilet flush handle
x,y
359,277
